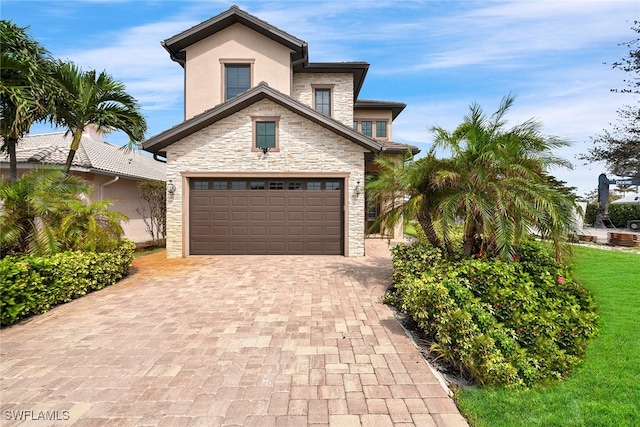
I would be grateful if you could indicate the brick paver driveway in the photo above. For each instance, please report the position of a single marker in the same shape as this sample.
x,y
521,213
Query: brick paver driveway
x,y
254,341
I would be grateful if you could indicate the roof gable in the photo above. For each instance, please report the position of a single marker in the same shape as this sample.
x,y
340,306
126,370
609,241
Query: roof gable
x,y
158,143
175,45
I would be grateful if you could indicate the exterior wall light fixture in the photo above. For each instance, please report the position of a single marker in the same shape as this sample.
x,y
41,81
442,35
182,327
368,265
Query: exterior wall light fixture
x,y
171,188
357,190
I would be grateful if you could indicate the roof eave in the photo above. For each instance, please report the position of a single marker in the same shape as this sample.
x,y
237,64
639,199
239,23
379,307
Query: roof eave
x,y
157,143
175,45
358,69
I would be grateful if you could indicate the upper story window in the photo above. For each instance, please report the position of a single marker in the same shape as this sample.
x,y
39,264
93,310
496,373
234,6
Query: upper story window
x,y
366,128
381,129
265,133
237,79
323,101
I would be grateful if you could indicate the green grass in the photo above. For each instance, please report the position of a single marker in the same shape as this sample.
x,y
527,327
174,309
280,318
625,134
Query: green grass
x,y
605,389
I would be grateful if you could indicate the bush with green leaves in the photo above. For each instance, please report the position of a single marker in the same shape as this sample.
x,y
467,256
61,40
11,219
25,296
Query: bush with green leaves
x,y
512,323
34,284
619,213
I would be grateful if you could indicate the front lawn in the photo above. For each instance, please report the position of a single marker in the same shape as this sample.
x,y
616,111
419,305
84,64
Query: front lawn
x,y
605,389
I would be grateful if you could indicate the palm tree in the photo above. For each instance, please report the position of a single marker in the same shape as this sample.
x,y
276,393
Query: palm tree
x,y
32,209
88,225
91,98
498,184
25,87
495,182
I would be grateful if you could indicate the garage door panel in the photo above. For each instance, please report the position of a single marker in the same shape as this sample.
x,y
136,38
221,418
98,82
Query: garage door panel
x,y
314,201
276,216
198,201
295,231
239,215
277,247
255,248
219,201
258,231
295,216
257,201
276,201
313,215
257,215
295,201
238,201
219,231
201,216
238,231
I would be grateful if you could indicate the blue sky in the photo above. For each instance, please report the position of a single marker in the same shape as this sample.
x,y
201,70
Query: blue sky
x,y
436,56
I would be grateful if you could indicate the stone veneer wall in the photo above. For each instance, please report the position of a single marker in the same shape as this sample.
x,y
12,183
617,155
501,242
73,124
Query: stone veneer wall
x,y
305,147
342,92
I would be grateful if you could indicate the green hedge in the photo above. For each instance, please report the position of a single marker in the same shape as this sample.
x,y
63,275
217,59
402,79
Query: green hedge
x,y
508,323
619,213
32,285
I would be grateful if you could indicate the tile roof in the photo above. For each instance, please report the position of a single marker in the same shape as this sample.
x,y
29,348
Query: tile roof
x,y
96,156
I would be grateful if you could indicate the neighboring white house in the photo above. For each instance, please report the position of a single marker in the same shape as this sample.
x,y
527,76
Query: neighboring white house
x,y
112,171
629,198
274,151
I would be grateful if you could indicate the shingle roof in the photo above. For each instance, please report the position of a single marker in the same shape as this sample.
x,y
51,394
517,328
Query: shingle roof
x,y
93,156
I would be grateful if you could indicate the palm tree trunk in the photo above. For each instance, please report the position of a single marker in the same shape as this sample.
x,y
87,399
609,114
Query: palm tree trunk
x,y
426,222
13,160
75,144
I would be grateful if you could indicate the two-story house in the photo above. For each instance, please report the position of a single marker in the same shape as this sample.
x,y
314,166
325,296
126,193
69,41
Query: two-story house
x,y
274,150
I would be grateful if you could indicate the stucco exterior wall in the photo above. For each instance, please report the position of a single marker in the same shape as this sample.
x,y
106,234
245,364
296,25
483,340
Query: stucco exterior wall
x,y
204,75
342,92
225,147
124,192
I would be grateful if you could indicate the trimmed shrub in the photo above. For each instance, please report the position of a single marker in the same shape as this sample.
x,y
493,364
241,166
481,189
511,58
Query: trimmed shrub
x,y
32,285
619,213
507,323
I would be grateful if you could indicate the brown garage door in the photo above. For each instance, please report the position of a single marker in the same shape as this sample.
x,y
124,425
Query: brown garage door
x,y
265,216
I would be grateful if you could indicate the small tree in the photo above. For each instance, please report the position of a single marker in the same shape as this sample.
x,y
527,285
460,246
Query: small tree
x,y
619,148
155,194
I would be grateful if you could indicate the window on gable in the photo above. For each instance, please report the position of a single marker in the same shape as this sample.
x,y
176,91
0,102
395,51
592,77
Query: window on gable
x,y
237,79
355,125
265,134
323,101
366,128
381,129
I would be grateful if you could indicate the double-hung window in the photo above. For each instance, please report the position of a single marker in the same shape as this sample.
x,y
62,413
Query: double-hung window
x,y
237,79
